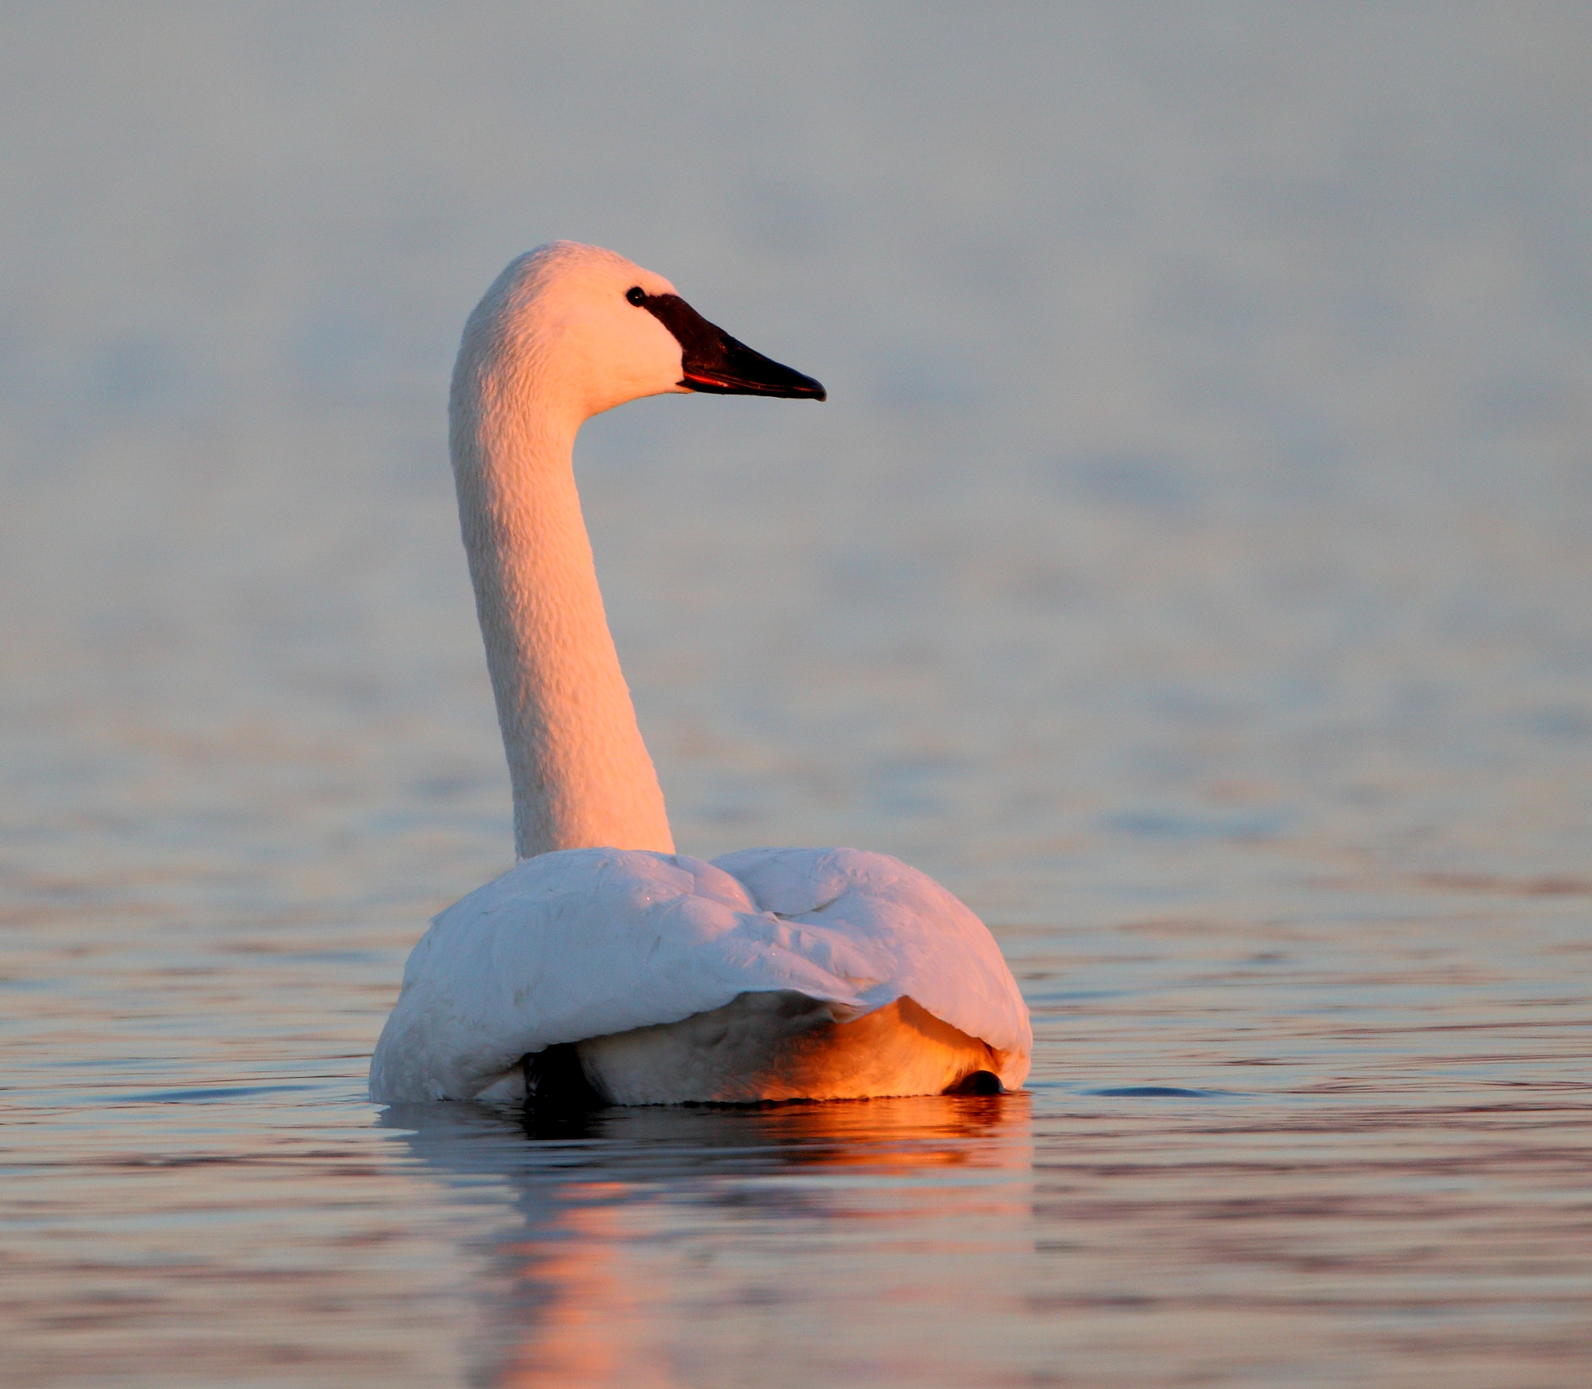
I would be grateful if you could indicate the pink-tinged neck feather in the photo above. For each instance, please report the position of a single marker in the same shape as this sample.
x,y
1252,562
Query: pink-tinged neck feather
x,y
580,771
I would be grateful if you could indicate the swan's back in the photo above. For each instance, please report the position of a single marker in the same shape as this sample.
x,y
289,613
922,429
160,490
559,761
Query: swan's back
x,y
583,944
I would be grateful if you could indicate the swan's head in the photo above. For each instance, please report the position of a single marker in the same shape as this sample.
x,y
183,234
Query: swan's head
x,y
587,329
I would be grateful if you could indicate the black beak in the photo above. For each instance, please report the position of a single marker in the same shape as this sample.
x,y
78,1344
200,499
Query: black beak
x,y
714,361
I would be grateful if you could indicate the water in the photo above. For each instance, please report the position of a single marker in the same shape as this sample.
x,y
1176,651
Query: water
x,y
1190,569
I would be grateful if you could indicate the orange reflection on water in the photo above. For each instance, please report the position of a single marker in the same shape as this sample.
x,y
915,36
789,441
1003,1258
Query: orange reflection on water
x,y
914,1196
580,1279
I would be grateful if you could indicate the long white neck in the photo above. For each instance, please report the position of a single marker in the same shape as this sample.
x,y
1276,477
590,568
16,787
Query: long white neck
x,y
580,771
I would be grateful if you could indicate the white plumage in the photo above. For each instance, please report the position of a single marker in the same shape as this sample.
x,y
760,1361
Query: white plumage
x,y
585,943
769,974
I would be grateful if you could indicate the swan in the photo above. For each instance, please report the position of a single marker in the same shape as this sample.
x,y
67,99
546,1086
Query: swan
x,y
604,967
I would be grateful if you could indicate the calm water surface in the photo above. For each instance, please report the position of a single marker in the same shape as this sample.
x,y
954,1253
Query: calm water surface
x,y
1250,1154
1191,569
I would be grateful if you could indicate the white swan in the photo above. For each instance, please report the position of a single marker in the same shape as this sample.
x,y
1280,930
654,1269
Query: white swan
x,y
603,964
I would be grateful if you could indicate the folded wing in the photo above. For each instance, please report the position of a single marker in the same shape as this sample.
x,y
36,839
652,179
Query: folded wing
x,y
586,942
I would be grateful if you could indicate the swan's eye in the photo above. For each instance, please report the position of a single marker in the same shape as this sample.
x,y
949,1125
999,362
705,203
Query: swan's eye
x,y
636,294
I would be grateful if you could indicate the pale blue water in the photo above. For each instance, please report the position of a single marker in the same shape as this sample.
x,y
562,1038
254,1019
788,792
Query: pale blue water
x,y
1190,568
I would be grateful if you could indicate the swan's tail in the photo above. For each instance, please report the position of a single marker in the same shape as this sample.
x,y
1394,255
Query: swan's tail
x,y
767,1046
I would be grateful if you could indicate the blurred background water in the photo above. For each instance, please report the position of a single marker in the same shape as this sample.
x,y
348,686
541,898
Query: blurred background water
x,y
1191,568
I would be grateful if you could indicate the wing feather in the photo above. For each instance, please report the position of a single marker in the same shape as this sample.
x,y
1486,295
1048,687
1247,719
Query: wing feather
x,y
586,942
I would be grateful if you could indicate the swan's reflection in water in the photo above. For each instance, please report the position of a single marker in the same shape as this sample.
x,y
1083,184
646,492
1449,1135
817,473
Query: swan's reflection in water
x,y
694,1246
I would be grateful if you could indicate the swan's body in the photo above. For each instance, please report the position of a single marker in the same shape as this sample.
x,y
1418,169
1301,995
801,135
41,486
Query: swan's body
x,y
771,974
685,980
